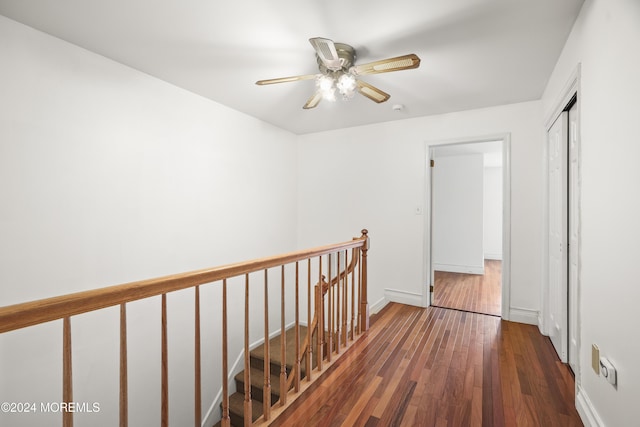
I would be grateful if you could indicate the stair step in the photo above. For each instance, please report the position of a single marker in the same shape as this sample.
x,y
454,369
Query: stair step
x,y
275,353
236,400
236,410
257,384
257,354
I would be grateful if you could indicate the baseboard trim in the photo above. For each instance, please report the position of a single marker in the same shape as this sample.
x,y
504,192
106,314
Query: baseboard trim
x,y
587,412
541,327
403,297
523,315
377,306
465,269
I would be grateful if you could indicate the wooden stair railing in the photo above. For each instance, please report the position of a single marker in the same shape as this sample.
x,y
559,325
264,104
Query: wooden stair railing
x,y
337,309
306,345
264,392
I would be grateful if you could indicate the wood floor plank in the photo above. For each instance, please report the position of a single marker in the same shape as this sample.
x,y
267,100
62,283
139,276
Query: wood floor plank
x,y
354,412
372,422
434,366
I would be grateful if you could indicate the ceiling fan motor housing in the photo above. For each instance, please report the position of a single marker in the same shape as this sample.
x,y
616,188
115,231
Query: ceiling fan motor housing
x,y
347,55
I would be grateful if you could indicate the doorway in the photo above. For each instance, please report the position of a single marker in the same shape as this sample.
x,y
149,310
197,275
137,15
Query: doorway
x,y
468,224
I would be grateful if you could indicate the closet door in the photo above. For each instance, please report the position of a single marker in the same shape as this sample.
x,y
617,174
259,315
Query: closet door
x,y
557,138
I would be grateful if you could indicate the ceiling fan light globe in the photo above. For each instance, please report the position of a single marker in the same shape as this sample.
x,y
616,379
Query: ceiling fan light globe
x,y
325,83
327,87
346,83
329,95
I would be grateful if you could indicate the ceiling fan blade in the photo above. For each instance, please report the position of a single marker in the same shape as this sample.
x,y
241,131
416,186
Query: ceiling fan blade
x,y
326,51
313,101
372,92
286,79
405,62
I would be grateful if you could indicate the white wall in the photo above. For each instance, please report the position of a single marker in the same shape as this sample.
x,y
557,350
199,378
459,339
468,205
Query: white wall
x,y
374,177
492,213
604,40
108,175
458,213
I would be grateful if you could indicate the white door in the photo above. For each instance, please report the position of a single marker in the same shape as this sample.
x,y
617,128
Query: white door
x,y
558,147
573,236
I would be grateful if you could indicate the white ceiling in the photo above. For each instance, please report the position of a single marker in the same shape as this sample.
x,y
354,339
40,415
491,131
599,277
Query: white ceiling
x,y
475,53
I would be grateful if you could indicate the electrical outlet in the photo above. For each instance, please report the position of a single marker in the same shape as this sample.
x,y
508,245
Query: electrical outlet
x,y
595,359
608,370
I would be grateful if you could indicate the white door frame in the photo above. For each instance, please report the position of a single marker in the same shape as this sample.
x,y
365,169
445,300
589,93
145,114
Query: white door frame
x,y
506,215
573,237
571,89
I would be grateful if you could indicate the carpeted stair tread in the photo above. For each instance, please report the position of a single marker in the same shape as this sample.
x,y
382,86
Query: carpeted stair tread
x,y
236,410
257,384
236,400
274,347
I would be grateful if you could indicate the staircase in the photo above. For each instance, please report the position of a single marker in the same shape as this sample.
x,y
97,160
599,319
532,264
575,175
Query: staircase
x,y
236,400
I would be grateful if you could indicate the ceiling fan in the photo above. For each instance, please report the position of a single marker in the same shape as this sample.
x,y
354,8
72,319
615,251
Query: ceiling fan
x,y
338,72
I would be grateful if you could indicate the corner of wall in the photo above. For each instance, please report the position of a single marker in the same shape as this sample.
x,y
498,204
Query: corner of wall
x,y
378,305
524,315
403,297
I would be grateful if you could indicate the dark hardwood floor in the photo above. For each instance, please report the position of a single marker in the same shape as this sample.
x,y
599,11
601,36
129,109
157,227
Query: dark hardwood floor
x,y
470,292
440,367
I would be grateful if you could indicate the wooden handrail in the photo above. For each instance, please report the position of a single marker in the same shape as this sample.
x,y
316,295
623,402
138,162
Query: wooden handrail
x,y
64,307
21,315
